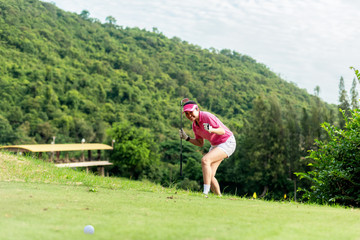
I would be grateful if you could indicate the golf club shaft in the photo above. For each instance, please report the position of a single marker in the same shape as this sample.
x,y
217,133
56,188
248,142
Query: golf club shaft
x,y
181,126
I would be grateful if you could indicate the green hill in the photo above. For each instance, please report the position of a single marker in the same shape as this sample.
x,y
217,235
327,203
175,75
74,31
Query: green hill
x,y
67,75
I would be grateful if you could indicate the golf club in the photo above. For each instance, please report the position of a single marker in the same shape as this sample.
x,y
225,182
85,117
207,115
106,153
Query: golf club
x,y
181,126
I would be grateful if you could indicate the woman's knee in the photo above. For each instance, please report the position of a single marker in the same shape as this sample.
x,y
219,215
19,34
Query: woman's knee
x,y
205,161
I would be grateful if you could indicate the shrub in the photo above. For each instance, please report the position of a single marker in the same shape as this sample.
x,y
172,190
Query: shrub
x,y
134,148
335,175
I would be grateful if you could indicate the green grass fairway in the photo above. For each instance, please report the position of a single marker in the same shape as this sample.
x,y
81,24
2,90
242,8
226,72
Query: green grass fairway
x,y
123,209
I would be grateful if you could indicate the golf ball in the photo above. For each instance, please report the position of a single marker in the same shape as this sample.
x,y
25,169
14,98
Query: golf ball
x,y
89,229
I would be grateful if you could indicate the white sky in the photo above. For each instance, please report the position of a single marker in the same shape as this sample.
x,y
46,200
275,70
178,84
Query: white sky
x,y
308,42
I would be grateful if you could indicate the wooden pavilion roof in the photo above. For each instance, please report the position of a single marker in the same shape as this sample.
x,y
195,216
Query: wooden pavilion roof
x,y
57,147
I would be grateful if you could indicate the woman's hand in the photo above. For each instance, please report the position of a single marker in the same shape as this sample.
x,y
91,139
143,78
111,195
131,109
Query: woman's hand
x,y
183,135
210,129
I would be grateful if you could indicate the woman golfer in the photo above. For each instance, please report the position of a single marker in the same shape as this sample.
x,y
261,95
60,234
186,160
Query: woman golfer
x,y
207,126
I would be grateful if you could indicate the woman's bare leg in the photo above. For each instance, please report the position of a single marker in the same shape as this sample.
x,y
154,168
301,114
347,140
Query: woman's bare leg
x,y
215,187
209,163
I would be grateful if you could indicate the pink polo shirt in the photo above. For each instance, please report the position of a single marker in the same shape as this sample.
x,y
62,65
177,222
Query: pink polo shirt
x,y
201,133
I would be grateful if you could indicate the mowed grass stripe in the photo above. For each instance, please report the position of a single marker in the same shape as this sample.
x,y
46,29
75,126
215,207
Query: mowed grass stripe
x,y
35,210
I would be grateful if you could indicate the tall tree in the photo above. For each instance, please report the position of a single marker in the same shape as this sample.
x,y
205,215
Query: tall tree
x,y
317,90
343,102
354,96
316,115
85,14
306,141
111,20
292,143
266,147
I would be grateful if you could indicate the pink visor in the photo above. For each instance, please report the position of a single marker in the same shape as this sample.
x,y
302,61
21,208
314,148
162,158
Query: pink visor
x,y
189,107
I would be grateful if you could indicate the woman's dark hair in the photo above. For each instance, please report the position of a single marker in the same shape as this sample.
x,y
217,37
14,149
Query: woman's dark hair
x,y
189,102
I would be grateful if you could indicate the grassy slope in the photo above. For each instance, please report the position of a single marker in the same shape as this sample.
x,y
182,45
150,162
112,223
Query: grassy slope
x,y
40,201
